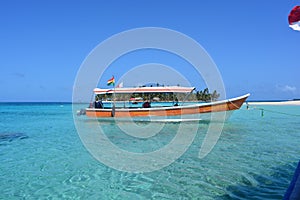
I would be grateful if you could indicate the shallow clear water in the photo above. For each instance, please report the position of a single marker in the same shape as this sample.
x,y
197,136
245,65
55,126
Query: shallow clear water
x,y
42,157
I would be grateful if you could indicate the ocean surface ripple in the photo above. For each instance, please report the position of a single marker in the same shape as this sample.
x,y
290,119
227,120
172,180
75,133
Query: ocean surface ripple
x,y
42,157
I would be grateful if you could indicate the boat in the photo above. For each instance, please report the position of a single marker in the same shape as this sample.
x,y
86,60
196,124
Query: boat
x,y
149,109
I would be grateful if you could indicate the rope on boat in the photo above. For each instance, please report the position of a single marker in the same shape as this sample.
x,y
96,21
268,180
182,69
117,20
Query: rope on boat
x,y
271,111
185,98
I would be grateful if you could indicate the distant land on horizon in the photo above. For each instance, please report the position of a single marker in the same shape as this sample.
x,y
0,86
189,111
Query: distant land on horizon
x,y
274,100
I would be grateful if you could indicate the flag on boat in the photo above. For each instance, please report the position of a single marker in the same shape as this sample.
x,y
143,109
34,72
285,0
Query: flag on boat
x,y
120,85
111,81
294,18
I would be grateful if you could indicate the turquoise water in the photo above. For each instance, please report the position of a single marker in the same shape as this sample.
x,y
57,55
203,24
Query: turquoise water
x,y
42,157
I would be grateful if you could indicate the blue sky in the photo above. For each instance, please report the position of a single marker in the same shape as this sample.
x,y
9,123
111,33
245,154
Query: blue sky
x,y
43,43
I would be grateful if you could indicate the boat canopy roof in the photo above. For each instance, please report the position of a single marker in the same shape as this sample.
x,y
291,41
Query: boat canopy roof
x,y
173,89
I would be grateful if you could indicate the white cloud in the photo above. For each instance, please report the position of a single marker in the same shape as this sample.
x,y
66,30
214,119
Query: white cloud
x,y
287,88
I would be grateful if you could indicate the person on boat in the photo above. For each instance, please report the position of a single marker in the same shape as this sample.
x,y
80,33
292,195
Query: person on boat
x,y
176,102
147,104
98,104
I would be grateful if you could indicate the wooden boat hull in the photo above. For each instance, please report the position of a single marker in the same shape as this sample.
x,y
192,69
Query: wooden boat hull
x,y
188,110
